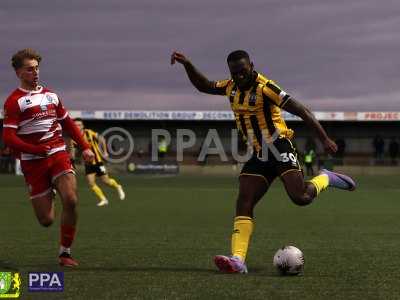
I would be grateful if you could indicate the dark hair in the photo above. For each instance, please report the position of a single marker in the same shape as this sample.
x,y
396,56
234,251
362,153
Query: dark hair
x,y
78,120
17,60
237,54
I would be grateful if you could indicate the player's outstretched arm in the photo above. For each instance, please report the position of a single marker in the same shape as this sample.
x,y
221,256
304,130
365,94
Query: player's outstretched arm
x,y
298,109
196,78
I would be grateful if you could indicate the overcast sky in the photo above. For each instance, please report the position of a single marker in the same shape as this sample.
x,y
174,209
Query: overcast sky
x,y
338,55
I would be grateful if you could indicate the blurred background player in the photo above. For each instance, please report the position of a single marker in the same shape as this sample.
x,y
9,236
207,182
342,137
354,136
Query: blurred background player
x,y
162,147
96,167
394,148
7,162
309,157
34,118
256,102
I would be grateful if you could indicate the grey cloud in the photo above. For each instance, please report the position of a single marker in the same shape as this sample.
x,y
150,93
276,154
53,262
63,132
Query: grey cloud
x,y
316,50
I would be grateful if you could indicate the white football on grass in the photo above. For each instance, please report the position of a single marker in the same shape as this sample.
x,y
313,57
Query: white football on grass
x,y
289,260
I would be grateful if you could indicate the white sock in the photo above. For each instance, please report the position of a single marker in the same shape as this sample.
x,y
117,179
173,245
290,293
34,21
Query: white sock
x,y
64,250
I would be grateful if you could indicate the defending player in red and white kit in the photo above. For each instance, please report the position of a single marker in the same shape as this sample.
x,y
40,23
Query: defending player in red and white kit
x,y
34,118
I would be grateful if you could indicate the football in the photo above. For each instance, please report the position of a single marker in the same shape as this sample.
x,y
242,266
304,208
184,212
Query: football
x,y
289,260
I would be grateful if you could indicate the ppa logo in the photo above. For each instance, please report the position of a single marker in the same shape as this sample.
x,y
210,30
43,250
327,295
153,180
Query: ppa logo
x,y
46,282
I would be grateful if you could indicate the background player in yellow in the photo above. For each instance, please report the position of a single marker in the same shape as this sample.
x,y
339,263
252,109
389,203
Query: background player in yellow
x,y
97,167
256,102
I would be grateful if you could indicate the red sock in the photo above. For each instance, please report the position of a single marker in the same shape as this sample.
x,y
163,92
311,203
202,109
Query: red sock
x,y
67,235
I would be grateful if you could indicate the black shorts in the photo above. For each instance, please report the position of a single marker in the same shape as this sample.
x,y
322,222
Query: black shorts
x,y
98,168
275,163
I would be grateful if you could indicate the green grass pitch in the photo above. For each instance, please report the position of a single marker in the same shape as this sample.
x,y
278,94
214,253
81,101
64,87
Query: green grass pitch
x,y
159,242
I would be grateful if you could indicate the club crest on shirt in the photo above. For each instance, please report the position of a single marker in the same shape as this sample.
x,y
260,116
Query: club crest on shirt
x,y
45,102
49,99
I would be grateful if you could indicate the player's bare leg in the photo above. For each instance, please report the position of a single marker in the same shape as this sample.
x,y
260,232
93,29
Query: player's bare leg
x,y
43,207
91,180
114,184
302,193
251,190
66,187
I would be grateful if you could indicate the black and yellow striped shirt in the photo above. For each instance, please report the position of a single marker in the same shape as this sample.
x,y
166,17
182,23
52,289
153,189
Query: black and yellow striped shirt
x,y
92,138
258,110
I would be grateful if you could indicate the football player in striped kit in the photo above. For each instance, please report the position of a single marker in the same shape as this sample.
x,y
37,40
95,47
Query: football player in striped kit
x,y
256,102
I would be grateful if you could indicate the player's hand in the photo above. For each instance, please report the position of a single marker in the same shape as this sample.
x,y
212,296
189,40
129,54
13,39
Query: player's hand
x,y
329,146
88,155
42,150
178,57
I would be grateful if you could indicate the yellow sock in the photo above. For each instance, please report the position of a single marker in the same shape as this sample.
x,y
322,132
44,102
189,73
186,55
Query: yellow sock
x,y
242,230
320,182
99,193
113,183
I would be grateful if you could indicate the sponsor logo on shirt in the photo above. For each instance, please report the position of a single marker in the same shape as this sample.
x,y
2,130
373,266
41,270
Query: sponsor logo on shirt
x,y
45,113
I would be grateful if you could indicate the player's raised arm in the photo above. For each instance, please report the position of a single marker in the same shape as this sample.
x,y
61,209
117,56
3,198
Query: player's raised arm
x,y
196,77
298,109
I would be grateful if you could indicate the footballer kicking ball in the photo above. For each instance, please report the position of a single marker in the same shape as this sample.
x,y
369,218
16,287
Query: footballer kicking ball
x,y
289,260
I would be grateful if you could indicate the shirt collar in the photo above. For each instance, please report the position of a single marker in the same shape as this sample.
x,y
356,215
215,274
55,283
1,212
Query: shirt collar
x,y
40,89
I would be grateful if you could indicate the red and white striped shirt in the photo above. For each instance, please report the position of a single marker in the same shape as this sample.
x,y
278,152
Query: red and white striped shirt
x,y
36,115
